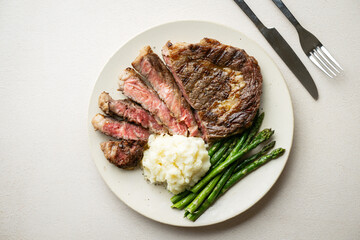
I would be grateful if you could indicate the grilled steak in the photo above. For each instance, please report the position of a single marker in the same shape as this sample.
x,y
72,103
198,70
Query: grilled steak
x,y
131,84
119,129
124,153
149,65
131,111
222,83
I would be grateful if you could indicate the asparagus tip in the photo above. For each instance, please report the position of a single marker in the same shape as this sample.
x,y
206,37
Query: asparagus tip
x,y
277,152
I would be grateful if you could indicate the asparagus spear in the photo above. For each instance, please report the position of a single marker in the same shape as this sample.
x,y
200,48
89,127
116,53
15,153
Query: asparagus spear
x,y
179,196
214,148
259,138
212,197
228,173
216,157
185,201
202,195
255,127
251,167
223,177
264,150
234,146
225,155
245,139
239,143
232,180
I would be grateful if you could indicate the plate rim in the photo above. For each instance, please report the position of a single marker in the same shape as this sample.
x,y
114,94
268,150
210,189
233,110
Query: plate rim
x,y
287,94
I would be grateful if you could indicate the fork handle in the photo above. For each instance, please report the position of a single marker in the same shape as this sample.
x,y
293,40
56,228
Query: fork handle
x,y
287,13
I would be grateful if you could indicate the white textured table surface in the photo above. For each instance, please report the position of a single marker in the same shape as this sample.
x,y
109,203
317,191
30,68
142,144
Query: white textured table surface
x,y
50,57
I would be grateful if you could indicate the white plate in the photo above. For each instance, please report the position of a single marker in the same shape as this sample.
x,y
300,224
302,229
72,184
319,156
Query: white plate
x,y
154,201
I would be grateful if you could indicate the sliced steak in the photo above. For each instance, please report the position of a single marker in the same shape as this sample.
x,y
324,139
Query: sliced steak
x,y
131,84
130,111
119,129
149,65
124,153
222,83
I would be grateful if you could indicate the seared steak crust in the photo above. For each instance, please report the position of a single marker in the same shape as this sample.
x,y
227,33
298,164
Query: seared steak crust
x,y
130,111
124,153
222,83
149,65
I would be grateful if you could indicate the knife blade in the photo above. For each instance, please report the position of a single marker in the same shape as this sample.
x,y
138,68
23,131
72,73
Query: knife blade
x,y
283,49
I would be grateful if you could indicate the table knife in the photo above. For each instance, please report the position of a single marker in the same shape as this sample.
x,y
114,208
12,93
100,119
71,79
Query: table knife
x,y
283,49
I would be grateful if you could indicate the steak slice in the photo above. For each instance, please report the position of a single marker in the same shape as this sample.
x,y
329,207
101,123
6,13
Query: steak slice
x,y
119,129
124,153
149,65
130,111
131,84
222,83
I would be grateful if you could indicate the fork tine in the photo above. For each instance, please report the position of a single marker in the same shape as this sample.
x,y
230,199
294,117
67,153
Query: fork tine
x,y
326,59
312,58
331,57
322,62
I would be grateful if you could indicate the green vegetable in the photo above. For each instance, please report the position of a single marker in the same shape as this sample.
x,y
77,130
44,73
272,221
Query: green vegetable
x,y
225,155
185,201
213,195
214,148
231,144
202,195
259,138
216,157
232,180
179,196
255,127
251,167
239,143
263,151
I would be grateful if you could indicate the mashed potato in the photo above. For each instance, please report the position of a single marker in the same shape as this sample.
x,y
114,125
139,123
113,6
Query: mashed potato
x,y
177,161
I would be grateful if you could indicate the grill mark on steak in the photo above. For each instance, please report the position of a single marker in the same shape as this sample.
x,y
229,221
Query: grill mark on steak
x,y
226,95
149,65
209,90
131,84
227,57
124,154
188,75
181,69
219,54
130,111
119,129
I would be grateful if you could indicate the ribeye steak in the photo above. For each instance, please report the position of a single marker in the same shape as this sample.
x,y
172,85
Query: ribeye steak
x,y
131,111
222,83
150,66
132,85
119,129
123,153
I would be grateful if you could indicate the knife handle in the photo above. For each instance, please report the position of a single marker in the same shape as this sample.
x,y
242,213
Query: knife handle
x,y
287,13
250,14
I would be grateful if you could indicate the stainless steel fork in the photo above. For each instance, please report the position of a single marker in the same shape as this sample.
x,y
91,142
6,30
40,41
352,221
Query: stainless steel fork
x,y
312,47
